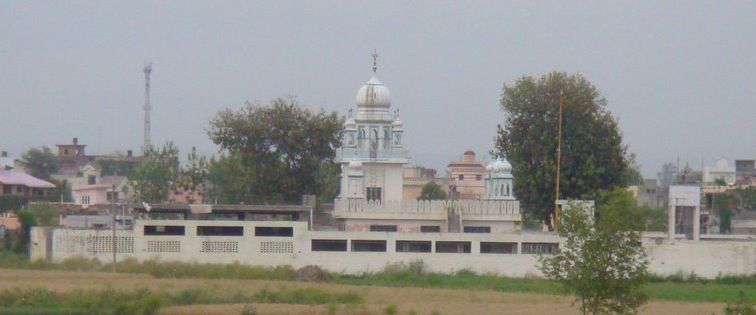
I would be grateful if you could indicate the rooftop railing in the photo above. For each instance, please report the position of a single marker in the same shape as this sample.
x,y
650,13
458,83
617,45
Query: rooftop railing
x,y
466,207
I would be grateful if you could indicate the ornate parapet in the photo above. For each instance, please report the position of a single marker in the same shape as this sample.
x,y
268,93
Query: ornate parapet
x,y
483,210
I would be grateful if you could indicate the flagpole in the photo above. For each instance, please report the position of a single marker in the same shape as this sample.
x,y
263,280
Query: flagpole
x,y
558,160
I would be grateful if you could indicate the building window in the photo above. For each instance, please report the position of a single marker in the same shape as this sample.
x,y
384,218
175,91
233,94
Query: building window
x,y
7,189
85,199
461,177
164,230
91,180
19,189
477,229
430,229
498,248
373,193
329,245
413,246
478,177
368,245
382,228
453,247
220,231
274,231
110,196
540,248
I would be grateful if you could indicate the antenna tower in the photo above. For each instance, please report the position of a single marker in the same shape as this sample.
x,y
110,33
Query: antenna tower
x,y
147,107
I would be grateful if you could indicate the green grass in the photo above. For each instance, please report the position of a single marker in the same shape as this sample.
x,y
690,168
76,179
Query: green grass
x,y
677,287
143,301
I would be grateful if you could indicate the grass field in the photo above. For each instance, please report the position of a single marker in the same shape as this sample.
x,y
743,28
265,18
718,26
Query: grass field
x,y
83,286
334,298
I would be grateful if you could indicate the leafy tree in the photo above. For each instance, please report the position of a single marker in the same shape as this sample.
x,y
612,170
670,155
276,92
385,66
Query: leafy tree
x,y
194,173
156,173
593,157
601,262
632,217
284,148
720,182
62,190
39,214
40,162
432,191
229,179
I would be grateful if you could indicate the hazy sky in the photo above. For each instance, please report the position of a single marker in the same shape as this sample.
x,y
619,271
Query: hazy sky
x,y
678,75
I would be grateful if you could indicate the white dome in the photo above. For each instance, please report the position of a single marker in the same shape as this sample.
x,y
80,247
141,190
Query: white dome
x,y
373,93
499,165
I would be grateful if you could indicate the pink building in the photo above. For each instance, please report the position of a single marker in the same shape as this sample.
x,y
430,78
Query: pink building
x,y
100,191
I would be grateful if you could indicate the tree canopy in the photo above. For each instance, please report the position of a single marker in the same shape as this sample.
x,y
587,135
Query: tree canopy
x,y
156,172
432,191
40,162
278,152
593,156
601,261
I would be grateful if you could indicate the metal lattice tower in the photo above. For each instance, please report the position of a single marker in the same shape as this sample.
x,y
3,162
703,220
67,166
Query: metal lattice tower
x,y
147,107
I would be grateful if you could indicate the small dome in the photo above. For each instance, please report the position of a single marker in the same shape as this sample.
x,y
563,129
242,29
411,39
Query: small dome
x,y
500,165
355,164
373,93
350,124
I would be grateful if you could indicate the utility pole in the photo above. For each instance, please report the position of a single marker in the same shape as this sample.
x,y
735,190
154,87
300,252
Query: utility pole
x,y
558,161
113,212
147,107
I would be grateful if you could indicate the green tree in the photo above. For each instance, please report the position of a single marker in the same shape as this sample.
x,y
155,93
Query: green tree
x,y
156,172
432,191
284,148
229,180
38,214
194,174
600,261
62,191
593,157
40,162
620,203
720,181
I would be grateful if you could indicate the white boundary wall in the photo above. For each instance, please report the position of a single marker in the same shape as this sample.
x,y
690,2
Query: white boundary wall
x,y
706,259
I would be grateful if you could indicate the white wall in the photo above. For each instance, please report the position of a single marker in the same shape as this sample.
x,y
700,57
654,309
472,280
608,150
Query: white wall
x,y
707,259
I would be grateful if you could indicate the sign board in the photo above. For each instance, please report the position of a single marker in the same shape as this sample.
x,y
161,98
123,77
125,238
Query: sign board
x,y
685,196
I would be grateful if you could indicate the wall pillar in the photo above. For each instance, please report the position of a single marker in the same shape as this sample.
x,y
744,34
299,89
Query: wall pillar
x,y
697,223
671,221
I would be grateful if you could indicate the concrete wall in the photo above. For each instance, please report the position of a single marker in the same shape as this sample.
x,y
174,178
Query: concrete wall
x,y
705,258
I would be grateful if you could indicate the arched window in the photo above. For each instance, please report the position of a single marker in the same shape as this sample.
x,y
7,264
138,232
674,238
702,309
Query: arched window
x,y
507,190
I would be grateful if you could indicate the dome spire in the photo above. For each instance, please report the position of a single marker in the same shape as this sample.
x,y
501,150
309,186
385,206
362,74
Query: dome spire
x,y
375,58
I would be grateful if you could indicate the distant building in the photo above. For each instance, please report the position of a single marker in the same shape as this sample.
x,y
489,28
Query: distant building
x,y
467,177
22,184
71,157
721,170
667,175
650,194
98,191
416,177
745,172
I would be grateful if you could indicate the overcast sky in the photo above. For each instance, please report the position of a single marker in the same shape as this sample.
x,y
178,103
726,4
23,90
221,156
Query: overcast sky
x,y
678,75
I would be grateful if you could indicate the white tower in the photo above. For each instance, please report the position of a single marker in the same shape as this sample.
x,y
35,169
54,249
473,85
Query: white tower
x,y
147,107
372,152
499,180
